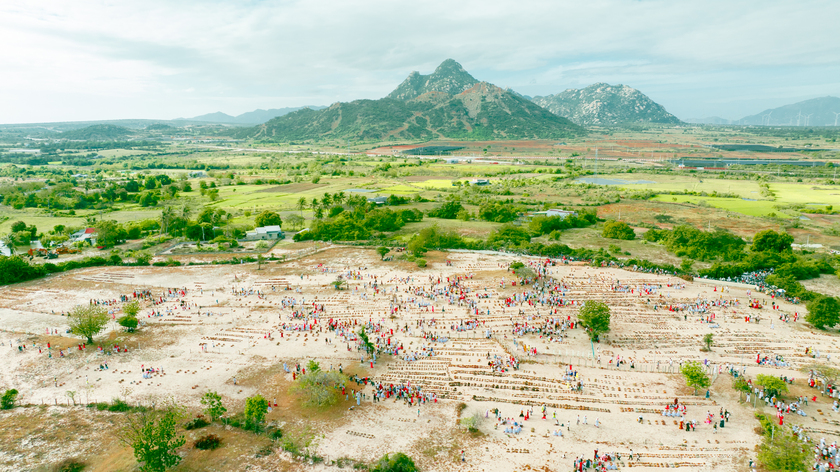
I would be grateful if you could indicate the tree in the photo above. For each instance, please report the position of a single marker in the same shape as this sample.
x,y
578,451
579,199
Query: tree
x,y
88,321
110,233
213,406
213,194
339,284
773,386
313,366
784,452
18,226
448,210
256,408
618,230
301,205
319,388
382,251
708,340
128,322
595,316
260,261
769,240
152,433
148,198
397,462
131,308
366,344
694,375
417,245
7,402
823,312
295,221
268,218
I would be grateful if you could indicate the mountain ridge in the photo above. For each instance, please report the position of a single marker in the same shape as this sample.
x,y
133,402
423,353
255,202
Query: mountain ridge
x,y
448,103
605,104
254,117
821,110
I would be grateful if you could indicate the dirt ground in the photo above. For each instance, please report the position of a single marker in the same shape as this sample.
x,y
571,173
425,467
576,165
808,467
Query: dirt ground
x,y
222,335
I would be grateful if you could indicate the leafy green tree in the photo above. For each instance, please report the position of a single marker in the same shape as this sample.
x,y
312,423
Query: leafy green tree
x,y
708,340
773,386
7,402
382,251
397,462
153,435
823,312
448,210
212,194
313,366
128,322
784,452
417,245
18,226
694,375
595,316
131,308
268,218
366,344
509,234
88,320
618,230
213,406
148,198
319,388
110,233
256,408
769,240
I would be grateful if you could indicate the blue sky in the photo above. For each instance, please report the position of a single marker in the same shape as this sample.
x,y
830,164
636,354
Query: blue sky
x,y
88,60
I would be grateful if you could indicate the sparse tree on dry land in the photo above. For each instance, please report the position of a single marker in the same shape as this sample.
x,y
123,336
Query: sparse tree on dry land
x,y
213,406
153,435
708,340
256,408
694,375
382,251
88,320
595,316
318,388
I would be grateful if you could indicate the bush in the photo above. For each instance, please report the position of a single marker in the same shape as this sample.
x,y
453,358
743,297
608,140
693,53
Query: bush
x,y
70,465
8,400
208,442
618,230
421,263
196,423
119,406
397,462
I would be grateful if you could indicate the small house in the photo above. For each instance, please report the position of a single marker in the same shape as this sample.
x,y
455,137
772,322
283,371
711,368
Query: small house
x,y
86,234
378,200
265,232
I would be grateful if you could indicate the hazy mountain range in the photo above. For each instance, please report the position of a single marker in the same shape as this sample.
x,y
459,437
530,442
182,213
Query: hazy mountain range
x,y
255,117
823,111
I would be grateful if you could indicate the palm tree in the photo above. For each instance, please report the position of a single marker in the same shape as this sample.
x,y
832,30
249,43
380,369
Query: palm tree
x,y
165,217
338,198
301,205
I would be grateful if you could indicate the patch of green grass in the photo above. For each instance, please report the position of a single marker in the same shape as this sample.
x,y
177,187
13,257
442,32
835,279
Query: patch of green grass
x,y
745,207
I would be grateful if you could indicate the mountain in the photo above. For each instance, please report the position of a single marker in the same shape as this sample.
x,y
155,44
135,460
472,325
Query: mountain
x,y
815,112
604,104
255,117
709,120
449,103
449,78
97,133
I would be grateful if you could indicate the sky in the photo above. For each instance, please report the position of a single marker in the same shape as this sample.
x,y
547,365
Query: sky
x,y
95,59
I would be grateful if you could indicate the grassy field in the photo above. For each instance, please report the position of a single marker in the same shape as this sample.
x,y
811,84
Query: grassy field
x,y
745,207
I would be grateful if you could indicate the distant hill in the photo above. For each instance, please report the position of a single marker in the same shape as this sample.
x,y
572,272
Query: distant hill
x,y
448,103
709,120
815,112
255,117
98,133
604,104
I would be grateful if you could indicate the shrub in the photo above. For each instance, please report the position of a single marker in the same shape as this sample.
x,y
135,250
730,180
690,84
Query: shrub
x,y
70,465
119,406
618,230
196,423
421,262
7,402
208,442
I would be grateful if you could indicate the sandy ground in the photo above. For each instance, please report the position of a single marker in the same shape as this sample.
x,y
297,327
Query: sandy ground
x,y
197,353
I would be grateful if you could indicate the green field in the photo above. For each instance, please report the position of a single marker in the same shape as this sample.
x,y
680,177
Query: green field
x,y
746,207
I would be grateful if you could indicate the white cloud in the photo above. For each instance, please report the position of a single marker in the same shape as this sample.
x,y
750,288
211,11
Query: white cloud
x,y
160,59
